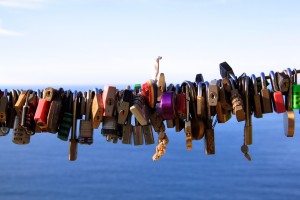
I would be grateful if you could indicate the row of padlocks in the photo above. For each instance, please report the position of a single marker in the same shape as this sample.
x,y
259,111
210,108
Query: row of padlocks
x,y
195,106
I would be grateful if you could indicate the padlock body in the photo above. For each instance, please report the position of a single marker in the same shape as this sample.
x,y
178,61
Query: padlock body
x,y
65,126
108,97
278,102
97,111
188,133
266,101
296,96
138,135
86,132
127,134
209,141
3,108
41,113
167,105
149,91
181,105
53,116
257,106
19,133
148,134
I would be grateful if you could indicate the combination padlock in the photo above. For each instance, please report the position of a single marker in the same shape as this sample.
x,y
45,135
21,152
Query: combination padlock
x,y
19,133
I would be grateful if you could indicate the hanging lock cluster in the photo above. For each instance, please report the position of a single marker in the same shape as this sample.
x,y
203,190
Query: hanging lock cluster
x,y
193,106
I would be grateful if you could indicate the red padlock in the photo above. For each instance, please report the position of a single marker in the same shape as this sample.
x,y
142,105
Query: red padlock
x,y
149,91
277,97
180,103
41,113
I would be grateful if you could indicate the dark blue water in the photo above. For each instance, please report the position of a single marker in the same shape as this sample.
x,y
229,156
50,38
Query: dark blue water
x,y
41,170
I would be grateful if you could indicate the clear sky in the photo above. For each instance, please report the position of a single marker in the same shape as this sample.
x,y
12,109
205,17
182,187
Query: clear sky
x,y
53,42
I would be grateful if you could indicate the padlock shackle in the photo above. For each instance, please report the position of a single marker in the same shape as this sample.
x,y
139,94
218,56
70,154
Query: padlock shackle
x,y
295,71
200,88
246,82
273,81
232,84
263,80
27,96
207,98
192,95
288,71
254,81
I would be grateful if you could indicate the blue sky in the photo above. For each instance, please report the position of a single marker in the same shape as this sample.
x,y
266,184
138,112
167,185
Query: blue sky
x,y
89,42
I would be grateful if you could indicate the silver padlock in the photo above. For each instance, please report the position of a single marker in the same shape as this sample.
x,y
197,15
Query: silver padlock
x,y
86,130
213,93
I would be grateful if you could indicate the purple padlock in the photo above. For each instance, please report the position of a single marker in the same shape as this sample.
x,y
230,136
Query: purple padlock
x,y
167,105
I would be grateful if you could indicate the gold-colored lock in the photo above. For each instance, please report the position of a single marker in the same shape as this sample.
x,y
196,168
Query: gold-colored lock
x,y
20,103
97,110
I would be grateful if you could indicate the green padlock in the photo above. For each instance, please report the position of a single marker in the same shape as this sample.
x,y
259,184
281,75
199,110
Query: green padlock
x,y
67,118
296,91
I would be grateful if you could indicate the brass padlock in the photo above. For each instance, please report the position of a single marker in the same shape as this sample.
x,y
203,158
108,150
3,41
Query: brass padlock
x,y
148,134
127,131
187,124
237,103
209,136
124,102
19,133
49,94
53,117
248,121
97,109
20,103
109,97
289,115
201,103
3,107
161,86
137,134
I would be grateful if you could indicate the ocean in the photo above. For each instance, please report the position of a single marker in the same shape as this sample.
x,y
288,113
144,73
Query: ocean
x,y
103,170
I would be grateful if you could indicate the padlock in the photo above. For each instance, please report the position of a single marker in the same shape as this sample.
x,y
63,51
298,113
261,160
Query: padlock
x,y
137,89
109,97
283,81
167,105
265,96
41,113
226,71
127,131
11,112
296,91
201,102
213,93
123,105
20,103
180,103
53,117
149,92
86,130
110,129
277,96
49,93
223,112
19,133
197,125
248,120
137,134
27,120
148,134
73,140
156,119
237,103
256,99
3,107
209,135
171,88
180,108
66,117
161,86
289,115
140,110
97,109
187,124
224,94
